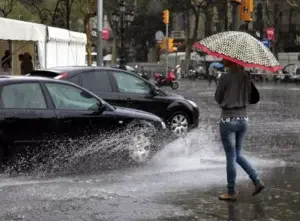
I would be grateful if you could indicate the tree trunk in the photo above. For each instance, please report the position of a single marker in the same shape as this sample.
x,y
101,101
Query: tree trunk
x,y
187,40
114,48
188,51
68,14
54,13
226,16
208,22
87,29
277,21
191,38
291,13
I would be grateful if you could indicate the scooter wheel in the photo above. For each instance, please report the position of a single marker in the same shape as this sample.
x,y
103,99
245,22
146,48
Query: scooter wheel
x,y
192,77
175,85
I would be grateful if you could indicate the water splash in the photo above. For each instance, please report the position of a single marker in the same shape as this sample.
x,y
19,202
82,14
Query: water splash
x,y
200,150
91,154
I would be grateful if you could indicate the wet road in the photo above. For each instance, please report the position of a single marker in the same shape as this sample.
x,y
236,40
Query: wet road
x,y
183,180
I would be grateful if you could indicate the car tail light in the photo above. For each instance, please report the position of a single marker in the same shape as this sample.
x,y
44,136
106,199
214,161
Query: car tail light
x,y
61,76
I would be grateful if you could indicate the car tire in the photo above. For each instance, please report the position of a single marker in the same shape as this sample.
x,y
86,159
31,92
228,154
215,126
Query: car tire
x,y
179,123
175,85
141,147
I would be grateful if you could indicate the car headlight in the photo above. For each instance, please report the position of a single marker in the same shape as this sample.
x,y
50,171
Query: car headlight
x,y
192,103
163,125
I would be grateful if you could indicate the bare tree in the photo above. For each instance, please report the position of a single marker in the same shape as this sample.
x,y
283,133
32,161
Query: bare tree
x,y
274,12
6,7
66,8
88,10
39,8
192,10
293,3
55,12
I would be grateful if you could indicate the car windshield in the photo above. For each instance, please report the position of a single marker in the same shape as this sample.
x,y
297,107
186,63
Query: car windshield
x,y
60,97
70,97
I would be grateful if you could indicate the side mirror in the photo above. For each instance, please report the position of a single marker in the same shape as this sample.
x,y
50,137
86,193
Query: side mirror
x,y
154,91
101,108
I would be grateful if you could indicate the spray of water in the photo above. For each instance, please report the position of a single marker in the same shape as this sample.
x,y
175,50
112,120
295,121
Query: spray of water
x,y
200,150
91,154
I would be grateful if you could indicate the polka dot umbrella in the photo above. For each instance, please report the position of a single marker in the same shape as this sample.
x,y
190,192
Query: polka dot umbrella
x,y
240,48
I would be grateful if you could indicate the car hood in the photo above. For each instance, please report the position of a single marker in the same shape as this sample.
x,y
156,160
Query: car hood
x,y
174,95
128,112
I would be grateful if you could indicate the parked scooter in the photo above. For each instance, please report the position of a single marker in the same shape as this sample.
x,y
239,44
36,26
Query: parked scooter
x,y
193,74
196,73
144,75
160,80
140,71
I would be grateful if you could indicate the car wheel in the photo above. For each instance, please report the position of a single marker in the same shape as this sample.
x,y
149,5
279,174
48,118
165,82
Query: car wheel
x,y
140,146
179,123
174,85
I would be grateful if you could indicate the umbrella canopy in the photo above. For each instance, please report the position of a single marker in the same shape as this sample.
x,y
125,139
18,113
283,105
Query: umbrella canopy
x,y
217,65
240,48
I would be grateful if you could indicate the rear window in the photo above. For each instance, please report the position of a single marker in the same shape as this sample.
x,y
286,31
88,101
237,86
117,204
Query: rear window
x,y
48,74
96,81
75,79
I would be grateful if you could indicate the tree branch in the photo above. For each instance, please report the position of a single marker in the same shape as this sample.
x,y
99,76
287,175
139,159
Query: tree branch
x,y
6,7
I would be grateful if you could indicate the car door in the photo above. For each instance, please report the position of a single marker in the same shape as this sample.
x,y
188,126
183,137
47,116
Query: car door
x,y
24,113
78,112
98,82
135,92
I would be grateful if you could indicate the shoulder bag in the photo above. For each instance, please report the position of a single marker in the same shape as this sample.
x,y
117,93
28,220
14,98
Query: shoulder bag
x,y
254,95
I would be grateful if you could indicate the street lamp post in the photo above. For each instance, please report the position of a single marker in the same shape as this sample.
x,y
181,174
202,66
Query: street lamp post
x,y
99,32
122,20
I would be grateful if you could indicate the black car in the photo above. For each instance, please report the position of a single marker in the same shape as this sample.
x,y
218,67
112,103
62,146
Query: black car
x,y
36,110
126,89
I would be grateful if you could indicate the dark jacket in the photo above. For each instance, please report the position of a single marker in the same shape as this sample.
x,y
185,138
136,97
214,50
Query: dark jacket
x,y
233,93
26,66
6,59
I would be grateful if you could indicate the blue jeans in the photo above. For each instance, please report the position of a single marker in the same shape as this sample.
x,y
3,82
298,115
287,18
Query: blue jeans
x,y
232,136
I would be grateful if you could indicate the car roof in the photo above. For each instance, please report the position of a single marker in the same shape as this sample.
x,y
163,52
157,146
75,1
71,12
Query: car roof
x,y
14,78
78,68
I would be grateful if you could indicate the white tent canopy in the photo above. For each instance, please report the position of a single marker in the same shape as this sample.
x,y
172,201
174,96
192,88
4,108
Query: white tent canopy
x,y
52,46
16,30
65,47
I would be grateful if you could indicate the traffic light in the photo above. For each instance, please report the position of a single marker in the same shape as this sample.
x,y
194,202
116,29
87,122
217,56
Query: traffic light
x,y
170,44
173,49
166,16
246,10
163,44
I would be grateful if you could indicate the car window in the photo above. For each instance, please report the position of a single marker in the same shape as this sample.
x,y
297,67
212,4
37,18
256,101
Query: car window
x,y
75,79
25,95
96,81
130,84
70,98
48,74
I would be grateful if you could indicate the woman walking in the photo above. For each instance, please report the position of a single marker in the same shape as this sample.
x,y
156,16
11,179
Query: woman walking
x,y
233,95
